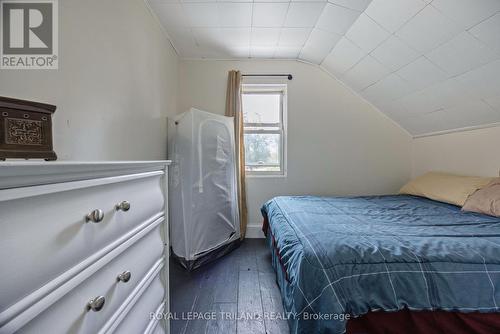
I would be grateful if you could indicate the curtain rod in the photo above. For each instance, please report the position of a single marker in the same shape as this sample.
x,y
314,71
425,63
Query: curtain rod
x,y
289,76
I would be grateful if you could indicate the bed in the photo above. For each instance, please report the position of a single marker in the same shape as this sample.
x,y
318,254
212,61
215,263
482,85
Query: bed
x,y
341,261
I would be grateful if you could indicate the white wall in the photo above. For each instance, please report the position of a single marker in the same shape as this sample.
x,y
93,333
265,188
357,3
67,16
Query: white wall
x,y
474,152
337,143
117,81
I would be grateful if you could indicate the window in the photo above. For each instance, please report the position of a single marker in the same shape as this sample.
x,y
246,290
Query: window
x,y
264,117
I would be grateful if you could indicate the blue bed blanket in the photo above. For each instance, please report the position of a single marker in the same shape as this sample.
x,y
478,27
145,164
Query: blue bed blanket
x,y
342,257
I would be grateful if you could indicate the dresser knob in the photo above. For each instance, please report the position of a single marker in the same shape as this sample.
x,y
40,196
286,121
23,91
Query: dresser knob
x,y
95,216
96,304
124,206
124,277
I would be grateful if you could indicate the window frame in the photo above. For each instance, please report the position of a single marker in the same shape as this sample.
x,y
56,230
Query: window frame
x,y
281,130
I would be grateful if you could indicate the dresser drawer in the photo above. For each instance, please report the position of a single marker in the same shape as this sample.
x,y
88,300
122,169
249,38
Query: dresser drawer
x,y
138,318
44,234
69,314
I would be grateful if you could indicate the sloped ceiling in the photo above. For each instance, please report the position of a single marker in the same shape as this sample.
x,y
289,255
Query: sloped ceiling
x,y
430,65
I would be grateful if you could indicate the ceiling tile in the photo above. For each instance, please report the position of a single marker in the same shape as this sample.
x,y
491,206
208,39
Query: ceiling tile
x,y
202,14
294,36
394,53
446,94
170,14
318,46
455,84
482,82
265,36
415,104
238,51
467,12
494,102
303,14
207,36
428,29
181,36
213,51
443,95
266,52
337,19
461,54
366,34
359,5
472,113
392,14
184,42
423,124
363,74
387,89
269,14
222,38
232,14
235,36
422,73
343,56
287,1
287,52
489,32
190,52
391,109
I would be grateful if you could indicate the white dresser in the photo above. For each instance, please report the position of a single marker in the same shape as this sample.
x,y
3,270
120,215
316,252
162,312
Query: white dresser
x,y
83,247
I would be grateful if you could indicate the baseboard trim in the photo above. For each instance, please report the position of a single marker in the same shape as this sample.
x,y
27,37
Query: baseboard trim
x,y
254,232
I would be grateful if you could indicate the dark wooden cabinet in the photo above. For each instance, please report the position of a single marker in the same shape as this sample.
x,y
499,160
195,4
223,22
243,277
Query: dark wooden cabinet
x,y
26,129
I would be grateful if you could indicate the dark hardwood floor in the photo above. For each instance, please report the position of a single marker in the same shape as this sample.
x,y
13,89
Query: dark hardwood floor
x,y
240,289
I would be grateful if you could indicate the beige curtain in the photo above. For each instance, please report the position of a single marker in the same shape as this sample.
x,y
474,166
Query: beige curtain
x,y
233,109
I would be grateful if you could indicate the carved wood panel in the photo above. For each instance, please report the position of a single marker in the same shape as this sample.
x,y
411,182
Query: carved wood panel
x,y
23,132
25,129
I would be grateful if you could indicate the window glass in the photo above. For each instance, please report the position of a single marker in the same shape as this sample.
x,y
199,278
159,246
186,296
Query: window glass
x,y
262,151
261,108
263,116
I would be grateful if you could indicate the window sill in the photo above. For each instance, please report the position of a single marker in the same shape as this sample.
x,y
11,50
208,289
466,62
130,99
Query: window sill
x,y
264,175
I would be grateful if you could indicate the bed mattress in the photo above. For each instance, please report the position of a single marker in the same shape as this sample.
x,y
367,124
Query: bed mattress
x,y
342,257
